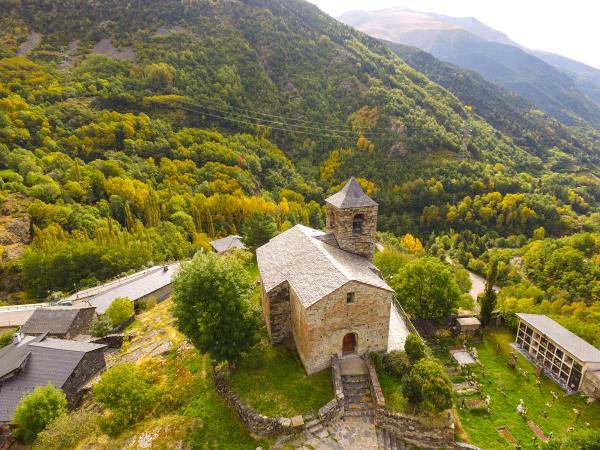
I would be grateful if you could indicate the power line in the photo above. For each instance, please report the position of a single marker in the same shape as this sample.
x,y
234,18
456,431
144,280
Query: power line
x,y
276,116
275,122
217,116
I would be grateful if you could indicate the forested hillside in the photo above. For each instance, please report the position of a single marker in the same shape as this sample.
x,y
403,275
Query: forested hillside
x,y
508,112
136,132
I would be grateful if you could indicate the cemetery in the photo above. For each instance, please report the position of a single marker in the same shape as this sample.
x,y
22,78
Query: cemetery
x,y
501,401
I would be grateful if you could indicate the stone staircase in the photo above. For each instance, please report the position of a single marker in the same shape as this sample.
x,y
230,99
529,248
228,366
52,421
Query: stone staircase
x,y
315,426
357,396
388,441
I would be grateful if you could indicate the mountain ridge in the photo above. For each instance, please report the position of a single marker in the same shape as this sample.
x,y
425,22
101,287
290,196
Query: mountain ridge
x,y
473,45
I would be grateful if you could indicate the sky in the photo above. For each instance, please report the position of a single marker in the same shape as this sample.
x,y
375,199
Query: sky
x,y
569,28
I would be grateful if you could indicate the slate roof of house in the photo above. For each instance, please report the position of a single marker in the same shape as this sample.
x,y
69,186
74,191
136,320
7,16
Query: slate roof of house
x,y
133,286
52,320
572,343
50,361
313,268
14,355
351,196
227,243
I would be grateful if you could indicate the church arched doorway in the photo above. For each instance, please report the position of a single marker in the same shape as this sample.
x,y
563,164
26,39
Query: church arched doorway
x,y
349,343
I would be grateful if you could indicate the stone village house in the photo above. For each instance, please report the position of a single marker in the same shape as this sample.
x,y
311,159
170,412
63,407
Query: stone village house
x,y
33,361
321,292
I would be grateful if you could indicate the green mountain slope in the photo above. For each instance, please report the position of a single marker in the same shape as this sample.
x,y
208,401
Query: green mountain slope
x,y
506,111
138,131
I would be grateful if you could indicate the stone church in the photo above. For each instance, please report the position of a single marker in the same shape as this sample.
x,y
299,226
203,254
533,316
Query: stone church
x,y
321,291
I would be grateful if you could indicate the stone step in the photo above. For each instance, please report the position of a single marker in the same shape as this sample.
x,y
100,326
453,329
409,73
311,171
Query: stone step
x,y
359,413
388,441
359,406
380,439
365,397
316,429
355,379
356,385
361,391
322,434
311,422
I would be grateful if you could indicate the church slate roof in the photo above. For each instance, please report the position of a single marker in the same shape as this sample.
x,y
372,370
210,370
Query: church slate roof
x,y
313,268
351,196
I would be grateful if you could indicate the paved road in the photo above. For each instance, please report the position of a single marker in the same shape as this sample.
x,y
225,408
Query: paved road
x,y
15,318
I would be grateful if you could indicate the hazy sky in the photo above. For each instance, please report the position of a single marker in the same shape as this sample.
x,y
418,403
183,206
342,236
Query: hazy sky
x,y
568,27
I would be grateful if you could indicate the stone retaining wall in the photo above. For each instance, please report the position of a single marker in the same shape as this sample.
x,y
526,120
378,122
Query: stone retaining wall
x,y
114,340
255,422
328,412
338,388
412,432
374,385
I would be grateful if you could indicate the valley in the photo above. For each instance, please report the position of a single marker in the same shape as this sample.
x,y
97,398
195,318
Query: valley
x,y
136,134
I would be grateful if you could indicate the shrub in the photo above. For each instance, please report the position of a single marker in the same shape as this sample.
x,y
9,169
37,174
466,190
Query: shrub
x,y
465,301
38,409
578,440
436,388
67,431
396,363
6,338
128,393
412,388
414,347
120,310
377,359
145,304
102,326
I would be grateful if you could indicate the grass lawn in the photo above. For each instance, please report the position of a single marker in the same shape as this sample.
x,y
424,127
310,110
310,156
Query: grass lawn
x,y
273,381
482,429
392,392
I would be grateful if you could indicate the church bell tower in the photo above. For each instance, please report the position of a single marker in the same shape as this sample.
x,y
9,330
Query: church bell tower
x,y
352,219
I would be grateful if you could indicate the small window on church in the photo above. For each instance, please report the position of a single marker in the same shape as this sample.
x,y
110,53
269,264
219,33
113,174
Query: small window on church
x,y
357,223
350,298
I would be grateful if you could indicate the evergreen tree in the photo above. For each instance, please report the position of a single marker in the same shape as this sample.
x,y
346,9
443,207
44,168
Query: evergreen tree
x,y
488,299
129,222
258,229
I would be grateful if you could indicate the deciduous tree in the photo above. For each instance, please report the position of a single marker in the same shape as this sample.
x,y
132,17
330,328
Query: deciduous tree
x,y
427,289
212,306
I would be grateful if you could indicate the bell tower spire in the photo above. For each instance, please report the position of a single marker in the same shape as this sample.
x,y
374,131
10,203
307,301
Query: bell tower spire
x,y
352,218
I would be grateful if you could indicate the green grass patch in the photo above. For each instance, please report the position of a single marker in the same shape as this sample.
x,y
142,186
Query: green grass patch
x,y
219,427
392,392
482,429
273,381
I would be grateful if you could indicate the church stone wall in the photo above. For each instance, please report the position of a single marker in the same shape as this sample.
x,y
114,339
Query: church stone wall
x,y
320,329
339,221
276,308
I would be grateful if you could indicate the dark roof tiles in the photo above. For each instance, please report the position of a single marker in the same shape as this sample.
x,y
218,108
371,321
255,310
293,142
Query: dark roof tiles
x,y
351,196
